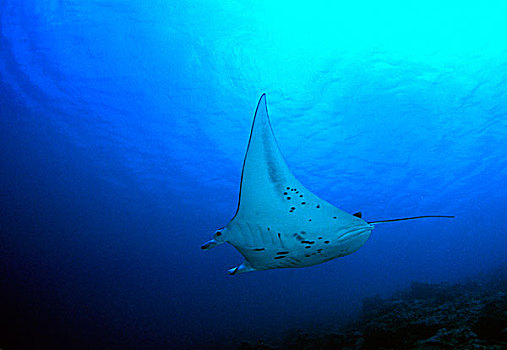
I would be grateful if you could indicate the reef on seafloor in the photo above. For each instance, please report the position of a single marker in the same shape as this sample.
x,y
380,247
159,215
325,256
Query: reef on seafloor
x,y
468,315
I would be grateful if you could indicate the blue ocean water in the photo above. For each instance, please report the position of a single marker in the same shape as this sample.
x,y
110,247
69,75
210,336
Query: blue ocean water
x,y
123,127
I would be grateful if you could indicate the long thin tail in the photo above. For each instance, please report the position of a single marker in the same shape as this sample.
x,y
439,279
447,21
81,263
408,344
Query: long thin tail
x,y
412,218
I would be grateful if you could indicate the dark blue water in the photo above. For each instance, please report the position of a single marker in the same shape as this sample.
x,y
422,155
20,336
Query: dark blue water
x,y
123,127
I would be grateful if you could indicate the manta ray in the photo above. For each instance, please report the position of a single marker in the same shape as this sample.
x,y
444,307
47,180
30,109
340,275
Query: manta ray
x,y
279,223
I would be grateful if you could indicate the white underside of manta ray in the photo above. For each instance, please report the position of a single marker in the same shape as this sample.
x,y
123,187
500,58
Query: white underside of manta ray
x,y
279,222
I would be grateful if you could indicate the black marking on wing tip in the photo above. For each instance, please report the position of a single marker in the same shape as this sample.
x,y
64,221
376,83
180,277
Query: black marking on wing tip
x,y
263,96
280,253
259,249
280,257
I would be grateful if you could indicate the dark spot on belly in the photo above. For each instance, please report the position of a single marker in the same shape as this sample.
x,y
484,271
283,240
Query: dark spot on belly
x,y
293,208
301,195
327,242
279,253
320,237
298,237
269,229
259,249
318,206
279,257
279,236
285,193
303,203
288,198
308,246
334,217
308,242
288,187
309,219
